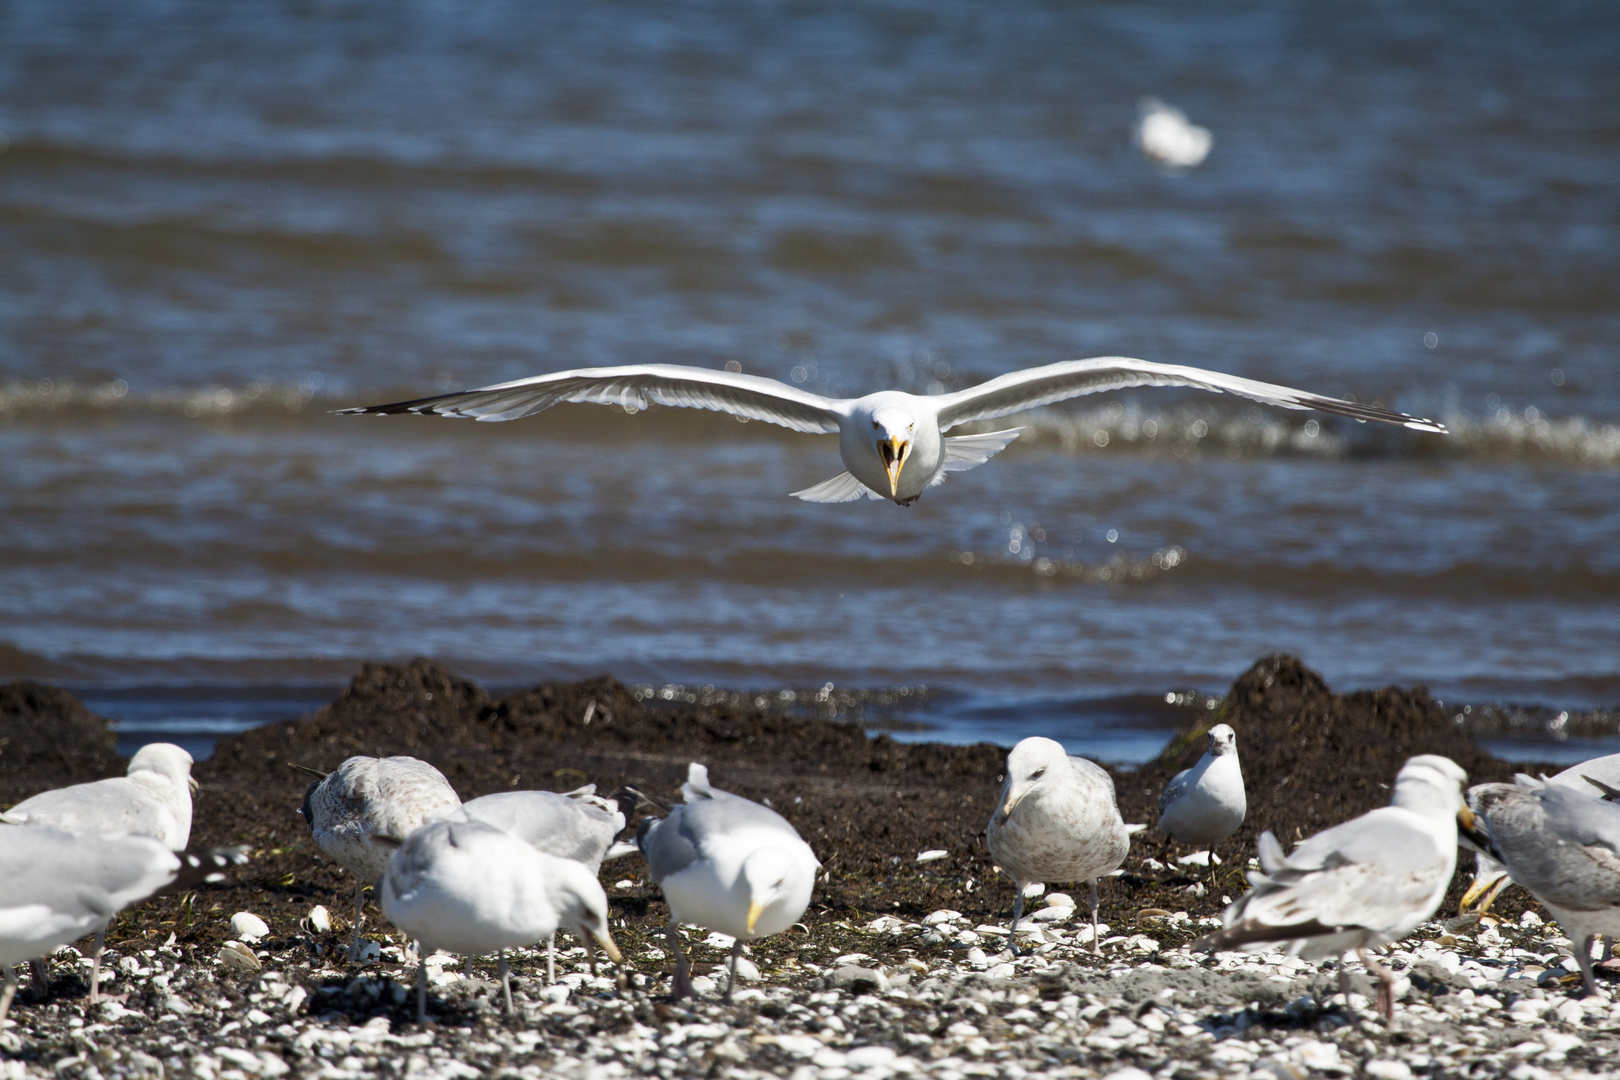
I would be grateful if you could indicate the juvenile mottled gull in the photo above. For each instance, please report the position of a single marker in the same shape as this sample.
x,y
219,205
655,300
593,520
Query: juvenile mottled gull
x,y
1563,846
471,888
153,799
1205,804
892,443
726,863
578,825
1597,777
57,886
1365,883
367,798
1056,820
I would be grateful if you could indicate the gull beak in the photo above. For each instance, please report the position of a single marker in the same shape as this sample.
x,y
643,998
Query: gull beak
x,y
606,939
894,453
1014,797
1482,894
192,785
755,910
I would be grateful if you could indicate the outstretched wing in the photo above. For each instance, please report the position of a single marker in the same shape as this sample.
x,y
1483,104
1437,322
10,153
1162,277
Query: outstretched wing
x,y
635,386
1020,390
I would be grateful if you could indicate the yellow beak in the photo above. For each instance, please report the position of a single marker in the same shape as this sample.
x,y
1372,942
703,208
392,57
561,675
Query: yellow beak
x,y
192,785
612,950
1013,799
894,453
1466,818
755,910
1482,894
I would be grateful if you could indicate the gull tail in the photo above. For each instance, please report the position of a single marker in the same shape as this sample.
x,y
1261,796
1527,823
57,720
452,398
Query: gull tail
x,y
841,488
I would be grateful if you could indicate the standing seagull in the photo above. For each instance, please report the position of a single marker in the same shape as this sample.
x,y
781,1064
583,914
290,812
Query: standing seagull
x,y
1205,804
355,809
57,886
1056,820
893,443
1597,777
578,825
726,863
470,888
153,799
1365,883
1563,846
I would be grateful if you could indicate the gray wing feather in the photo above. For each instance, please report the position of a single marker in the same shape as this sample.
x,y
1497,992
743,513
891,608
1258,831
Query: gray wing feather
x,y
1367,872
635,386
112,805
88,875
1020,390
692,828
668,846
569,828
1173,790
1561,845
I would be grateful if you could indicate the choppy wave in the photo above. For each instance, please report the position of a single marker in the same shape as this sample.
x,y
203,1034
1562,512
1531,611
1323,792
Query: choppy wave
x,y
1189,431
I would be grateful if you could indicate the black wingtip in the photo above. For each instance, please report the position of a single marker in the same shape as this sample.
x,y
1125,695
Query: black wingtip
x,y
393,408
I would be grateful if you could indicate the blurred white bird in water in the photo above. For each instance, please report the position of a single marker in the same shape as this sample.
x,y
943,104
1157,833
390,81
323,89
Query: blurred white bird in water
x,y
1167,137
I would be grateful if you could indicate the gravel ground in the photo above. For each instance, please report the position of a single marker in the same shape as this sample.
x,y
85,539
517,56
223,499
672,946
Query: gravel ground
x,y
1481,1000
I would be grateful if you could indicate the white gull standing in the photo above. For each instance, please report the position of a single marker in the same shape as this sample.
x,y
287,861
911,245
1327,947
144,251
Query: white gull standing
x,y
1365,883
726,863
1205,804
1597,777
153,799
355,810
471,888
1561,844
578,825
893,444
1056,820
57,886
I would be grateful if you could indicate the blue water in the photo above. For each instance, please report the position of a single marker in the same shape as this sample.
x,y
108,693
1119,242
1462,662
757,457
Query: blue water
x,y
219,222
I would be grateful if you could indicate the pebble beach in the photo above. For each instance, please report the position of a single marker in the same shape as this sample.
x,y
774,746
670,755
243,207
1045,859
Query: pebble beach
x,y
901,966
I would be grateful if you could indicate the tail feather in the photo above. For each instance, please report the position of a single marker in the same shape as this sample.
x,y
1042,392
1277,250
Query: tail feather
x,y
197,867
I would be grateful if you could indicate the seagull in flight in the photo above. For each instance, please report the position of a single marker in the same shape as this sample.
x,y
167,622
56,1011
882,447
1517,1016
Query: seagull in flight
x,y
893,444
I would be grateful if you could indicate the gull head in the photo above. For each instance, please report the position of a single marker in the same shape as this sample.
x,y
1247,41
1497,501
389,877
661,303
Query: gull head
x,y
1432,785
167,760
1031,762
894,428
580,903
768,875
1222,740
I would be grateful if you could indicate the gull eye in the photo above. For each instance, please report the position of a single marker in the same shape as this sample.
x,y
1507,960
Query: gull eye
x,y
1037,774
874,425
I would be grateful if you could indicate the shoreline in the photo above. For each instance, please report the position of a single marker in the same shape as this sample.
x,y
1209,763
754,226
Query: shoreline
x,y
868,806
